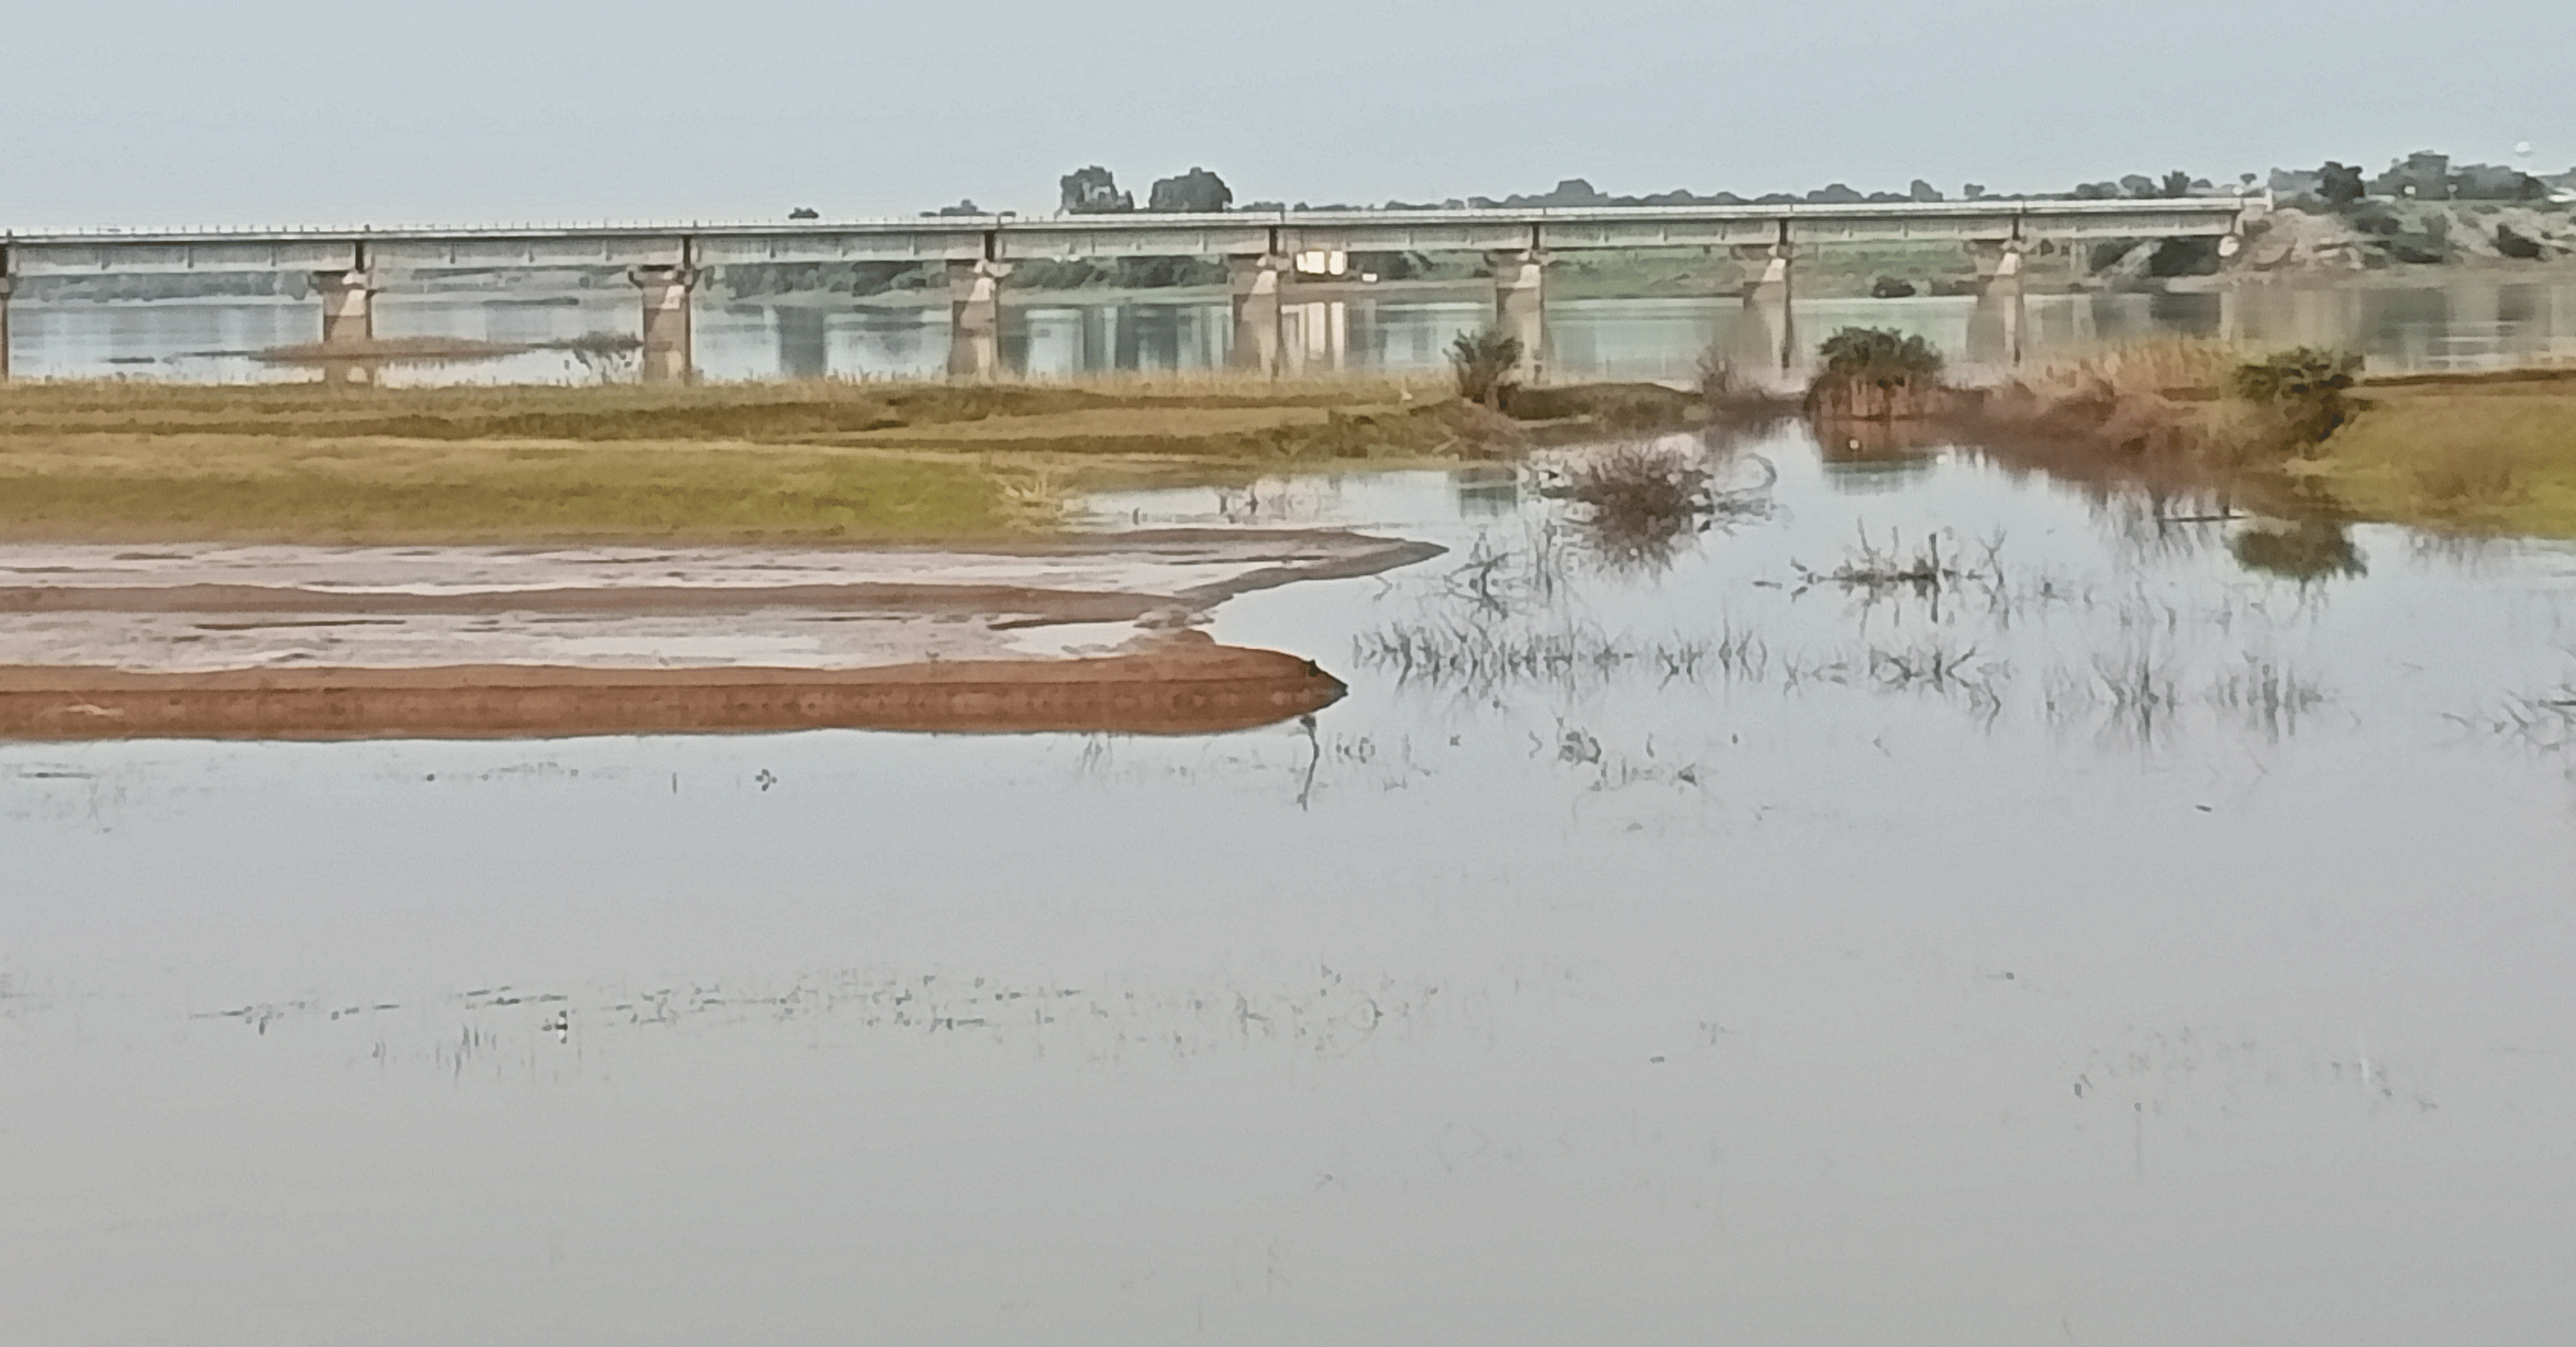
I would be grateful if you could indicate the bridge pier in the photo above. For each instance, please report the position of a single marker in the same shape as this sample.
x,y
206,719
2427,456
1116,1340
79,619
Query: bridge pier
x,y
1254,286
975,319
8,286
1769,344
670,339
1995,325
348,306
348,322
1520,308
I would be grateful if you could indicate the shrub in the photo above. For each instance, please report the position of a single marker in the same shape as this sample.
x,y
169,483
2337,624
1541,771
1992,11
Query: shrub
x,y
1874,374
1484,362
1878,352
2304,389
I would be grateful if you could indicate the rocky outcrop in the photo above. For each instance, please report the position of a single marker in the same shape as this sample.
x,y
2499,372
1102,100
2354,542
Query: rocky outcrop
x,y
2382,234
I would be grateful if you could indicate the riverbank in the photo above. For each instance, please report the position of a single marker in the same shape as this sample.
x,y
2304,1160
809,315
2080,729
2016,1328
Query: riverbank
x,y
2488,453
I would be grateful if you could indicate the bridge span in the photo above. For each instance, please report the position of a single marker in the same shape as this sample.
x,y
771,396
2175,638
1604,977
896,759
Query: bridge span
x,y
1260,250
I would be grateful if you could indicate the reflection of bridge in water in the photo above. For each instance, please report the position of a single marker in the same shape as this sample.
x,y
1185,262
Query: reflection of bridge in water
x,y
1269,258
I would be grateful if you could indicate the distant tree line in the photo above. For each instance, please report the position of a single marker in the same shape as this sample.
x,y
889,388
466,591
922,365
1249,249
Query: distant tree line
x,y
2421,176
2425,176
1094,191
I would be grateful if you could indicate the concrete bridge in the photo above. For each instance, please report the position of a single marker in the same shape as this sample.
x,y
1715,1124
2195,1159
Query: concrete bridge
x,y
1260,250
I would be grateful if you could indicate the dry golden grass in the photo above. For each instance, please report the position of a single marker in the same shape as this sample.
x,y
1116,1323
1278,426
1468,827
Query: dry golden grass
x,y
110,487
2166,366
1325,389
2487,457
805,412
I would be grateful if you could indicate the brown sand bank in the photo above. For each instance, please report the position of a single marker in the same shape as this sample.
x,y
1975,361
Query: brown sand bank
x,y
229,641
1183,687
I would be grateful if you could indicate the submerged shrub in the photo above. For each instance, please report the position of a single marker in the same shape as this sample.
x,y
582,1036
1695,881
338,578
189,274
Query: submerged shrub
x,y
1638,502
2304,389
1484,362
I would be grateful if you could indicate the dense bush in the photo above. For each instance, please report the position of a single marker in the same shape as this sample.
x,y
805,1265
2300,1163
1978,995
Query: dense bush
x,y
2305,388
1878,352
1875,374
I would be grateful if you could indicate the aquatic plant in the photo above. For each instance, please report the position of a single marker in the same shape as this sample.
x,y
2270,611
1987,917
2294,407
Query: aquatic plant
x,y
1478,658
2543,720
1637,502
1873,571
2266,694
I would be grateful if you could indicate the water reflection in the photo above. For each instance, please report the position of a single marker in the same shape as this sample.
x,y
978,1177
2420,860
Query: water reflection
x,y
2305,551
2454,324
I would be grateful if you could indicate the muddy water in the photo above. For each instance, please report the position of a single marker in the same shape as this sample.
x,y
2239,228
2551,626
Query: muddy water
x,y
2456,322
1656,946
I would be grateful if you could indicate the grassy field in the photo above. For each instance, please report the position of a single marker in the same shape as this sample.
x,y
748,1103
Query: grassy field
x,y
2486,456
835,461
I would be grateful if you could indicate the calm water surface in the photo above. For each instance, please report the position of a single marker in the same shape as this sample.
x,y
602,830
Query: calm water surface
x,y
2122,947
2460,324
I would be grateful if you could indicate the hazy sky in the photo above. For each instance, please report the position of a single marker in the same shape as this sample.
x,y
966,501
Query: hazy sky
x,y
174,112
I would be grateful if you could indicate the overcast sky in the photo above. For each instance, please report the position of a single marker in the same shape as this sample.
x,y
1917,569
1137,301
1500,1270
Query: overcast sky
x,y
181,112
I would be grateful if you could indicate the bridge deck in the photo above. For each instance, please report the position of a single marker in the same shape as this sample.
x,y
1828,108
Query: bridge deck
x,y
1007,238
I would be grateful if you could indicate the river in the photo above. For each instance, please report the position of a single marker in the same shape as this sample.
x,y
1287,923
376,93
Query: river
x,y
1669,939
2456,322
